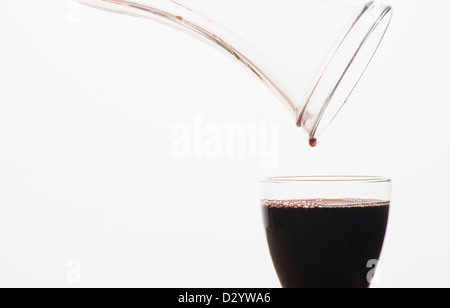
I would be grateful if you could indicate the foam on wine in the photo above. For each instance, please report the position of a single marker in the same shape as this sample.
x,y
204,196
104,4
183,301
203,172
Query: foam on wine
x,y
324,203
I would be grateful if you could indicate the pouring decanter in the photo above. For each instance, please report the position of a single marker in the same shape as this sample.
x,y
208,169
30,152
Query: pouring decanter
x,y
312,58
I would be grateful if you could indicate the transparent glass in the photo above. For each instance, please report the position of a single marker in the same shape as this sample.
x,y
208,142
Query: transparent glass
x,y
310,53
325,231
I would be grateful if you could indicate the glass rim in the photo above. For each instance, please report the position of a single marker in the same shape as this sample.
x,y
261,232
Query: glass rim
x,y
326,179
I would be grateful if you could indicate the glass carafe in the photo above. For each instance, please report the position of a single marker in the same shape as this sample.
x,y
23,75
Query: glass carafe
x,y
310,53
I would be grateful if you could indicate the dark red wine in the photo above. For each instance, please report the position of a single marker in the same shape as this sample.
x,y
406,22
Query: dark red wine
x,y
325,243
313,143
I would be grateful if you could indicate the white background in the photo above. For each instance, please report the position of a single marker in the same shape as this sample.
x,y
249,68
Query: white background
x,y
91,194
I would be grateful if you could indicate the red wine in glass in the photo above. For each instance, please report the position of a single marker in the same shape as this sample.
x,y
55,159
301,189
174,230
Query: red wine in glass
x,y
325,243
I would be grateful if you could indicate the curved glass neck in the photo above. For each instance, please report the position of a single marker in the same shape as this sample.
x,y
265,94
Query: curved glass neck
x,y
283,42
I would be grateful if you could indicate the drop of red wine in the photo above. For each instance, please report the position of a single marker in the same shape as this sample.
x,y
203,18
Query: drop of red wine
x,y
313,142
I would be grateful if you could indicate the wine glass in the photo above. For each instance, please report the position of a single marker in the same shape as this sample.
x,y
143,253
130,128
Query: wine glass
x,y
325,231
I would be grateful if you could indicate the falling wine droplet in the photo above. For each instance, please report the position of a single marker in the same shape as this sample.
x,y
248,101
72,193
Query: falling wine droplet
x,y
313,142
